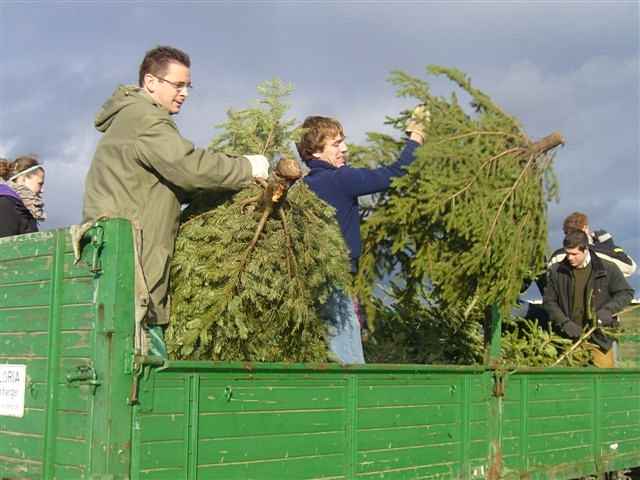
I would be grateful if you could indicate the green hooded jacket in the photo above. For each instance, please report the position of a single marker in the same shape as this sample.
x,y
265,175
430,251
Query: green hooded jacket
x,y
142,170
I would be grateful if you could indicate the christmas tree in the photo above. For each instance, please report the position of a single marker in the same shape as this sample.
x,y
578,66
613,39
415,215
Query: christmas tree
x,y
464,229
252,269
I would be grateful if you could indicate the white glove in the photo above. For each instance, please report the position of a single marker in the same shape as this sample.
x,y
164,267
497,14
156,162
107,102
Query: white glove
x,y
259,165
419,118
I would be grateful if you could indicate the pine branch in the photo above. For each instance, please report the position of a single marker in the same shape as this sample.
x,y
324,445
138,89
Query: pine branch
x,y
504,200
267,142
476,133
574,346
547,143
484,164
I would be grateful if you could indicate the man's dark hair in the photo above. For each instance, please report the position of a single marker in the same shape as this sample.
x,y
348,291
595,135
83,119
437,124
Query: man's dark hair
x,y
156,61
575,221
576,239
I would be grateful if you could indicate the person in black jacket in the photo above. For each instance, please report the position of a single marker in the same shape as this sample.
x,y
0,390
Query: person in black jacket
x,y
584,290
21,205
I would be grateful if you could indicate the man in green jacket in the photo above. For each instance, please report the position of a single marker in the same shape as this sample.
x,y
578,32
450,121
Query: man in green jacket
x,y
143,169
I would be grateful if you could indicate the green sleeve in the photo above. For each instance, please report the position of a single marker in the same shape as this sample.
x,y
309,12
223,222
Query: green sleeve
x,y
160,146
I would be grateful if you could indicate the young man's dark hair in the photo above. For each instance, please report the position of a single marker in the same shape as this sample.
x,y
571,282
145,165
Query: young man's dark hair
x,y
156,61
576,239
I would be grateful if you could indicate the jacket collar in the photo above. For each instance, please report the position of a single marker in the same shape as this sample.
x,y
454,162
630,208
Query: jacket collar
x,y
596,265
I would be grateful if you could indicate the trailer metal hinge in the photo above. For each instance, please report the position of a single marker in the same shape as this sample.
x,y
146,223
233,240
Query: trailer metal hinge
x,y
141,367
498,383
97,241
84,375
228,393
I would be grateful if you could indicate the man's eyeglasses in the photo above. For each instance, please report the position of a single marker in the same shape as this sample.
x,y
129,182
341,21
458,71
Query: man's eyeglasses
x,y
178,86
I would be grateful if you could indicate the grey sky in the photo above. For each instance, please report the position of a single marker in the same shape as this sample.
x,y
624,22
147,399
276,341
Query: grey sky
x,y
567,66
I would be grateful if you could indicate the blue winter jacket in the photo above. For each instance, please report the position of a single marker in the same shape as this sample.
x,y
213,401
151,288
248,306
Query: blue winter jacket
x,y
341,187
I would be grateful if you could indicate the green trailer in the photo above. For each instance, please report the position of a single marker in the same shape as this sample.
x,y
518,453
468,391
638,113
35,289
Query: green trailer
x,y
76,402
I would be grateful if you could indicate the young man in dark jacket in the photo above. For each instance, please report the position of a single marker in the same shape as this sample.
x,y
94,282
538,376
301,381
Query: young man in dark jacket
x,y
584,290
324,150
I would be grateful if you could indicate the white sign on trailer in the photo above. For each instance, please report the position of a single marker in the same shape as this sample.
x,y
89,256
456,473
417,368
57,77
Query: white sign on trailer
x,y
13,383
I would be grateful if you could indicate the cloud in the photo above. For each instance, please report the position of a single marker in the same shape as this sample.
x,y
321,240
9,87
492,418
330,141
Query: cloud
x,y
66,171
6,146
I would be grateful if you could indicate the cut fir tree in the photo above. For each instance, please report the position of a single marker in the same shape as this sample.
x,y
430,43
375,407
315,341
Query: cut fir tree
x,y
252,269
465,229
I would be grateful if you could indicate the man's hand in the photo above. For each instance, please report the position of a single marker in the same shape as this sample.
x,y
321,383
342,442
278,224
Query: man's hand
x,y
572,330
259,165
605,319
415,125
